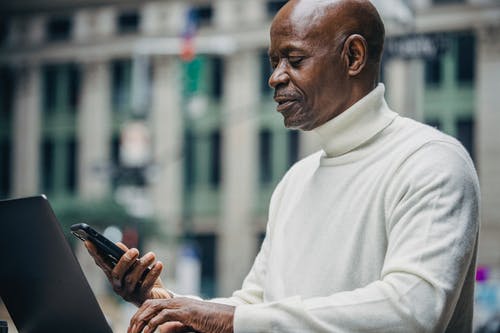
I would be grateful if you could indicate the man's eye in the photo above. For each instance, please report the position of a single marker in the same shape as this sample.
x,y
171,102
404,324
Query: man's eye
x,y
295,61
273,63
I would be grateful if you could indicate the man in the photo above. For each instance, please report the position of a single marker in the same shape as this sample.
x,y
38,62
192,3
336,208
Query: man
x,y
375,233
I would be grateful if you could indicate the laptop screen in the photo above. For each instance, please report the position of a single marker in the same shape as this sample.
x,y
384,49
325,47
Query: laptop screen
x,y
41,282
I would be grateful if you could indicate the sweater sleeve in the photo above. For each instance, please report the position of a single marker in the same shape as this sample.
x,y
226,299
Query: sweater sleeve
x,y
431,223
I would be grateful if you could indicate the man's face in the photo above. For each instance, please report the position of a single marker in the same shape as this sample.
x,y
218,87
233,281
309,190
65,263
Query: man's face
x,y
309,78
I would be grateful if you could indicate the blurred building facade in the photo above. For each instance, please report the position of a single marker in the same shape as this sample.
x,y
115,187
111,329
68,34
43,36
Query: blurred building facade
x,y
86,83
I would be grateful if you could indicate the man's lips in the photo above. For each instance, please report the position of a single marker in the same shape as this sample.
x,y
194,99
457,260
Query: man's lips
x,y
283,106
284,102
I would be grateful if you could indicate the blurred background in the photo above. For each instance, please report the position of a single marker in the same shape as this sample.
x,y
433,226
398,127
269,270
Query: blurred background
x,y
153,122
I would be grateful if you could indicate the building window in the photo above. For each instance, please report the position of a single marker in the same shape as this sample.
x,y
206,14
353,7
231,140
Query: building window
x,y
265,156
121,91
207,251
4,31
48,150
433,71
59,29
71,162
203,15
293,147
49,75
59,148
217,77
128,22
73,87
61,85
465,134
466,59
6,92
5,167
265,71
59,165
115,160
189,159
273,6
215,158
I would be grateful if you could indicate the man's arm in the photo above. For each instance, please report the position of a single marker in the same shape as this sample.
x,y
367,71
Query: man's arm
x,y
172,313
214,316
186,314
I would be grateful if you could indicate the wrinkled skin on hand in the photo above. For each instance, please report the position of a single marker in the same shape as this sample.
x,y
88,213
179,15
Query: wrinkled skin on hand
x,y
126,276
181,314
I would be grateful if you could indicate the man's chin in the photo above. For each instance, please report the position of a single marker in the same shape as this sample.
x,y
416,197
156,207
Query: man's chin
x,y
297,124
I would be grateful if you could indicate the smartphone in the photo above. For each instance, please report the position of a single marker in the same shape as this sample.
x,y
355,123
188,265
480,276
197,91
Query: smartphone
x,y
106,247
112,252
86,233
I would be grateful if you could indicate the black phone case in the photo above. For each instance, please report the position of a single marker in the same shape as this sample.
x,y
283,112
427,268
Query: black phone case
x,y
85,232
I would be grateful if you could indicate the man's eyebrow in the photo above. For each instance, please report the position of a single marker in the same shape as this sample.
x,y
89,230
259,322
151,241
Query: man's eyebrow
x,y
286,50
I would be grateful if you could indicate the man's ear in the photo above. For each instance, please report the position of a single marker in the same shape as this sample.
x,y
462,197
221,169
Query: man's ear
x,y
355,54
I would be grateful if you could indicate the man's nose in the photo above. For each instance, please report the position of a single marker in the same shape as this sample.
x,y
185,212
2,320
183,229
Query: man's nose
x,y
278,76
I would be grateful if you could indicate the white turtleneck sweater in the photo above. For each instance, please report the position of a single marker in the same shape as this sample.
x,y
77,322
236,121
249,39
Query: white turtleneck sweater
x,y
375,233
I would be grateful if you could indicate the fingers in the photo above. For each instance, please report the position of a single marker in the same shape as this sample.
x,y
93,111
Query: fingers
x,y
143,315
133,278
162,317
170,315
122,246
122,267
152,276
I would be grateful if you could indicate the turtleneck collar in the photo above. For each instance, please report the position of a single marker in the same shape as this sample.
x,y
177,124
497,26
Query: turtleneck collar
x,y
356,125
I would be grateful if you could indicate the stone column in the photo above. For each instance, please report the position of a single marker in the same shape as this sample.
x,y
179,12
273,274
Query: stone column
x,y
26,131
230,13
405,87
104,21
254,12
94,131
226,13
487,147
157,16
84,22
36,30
237,242
166,122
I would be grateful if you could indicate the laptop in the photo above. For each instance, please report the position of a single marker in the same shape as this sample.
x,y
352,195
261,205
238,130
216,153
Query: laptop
x,y
41,282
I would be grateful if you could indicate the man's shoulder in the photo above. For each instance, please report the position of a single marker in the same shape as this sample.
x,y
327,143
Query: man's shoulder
x,y
413,135
428,148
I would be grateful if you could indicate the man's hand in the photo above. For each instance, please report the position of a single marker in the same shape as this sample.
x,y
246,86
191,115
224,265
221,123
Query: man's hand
x,y
182,314
126,276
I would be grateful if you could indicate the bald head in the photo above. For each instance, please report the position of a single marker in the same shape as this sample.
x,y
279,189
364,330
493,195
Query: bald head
x,y
333,21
